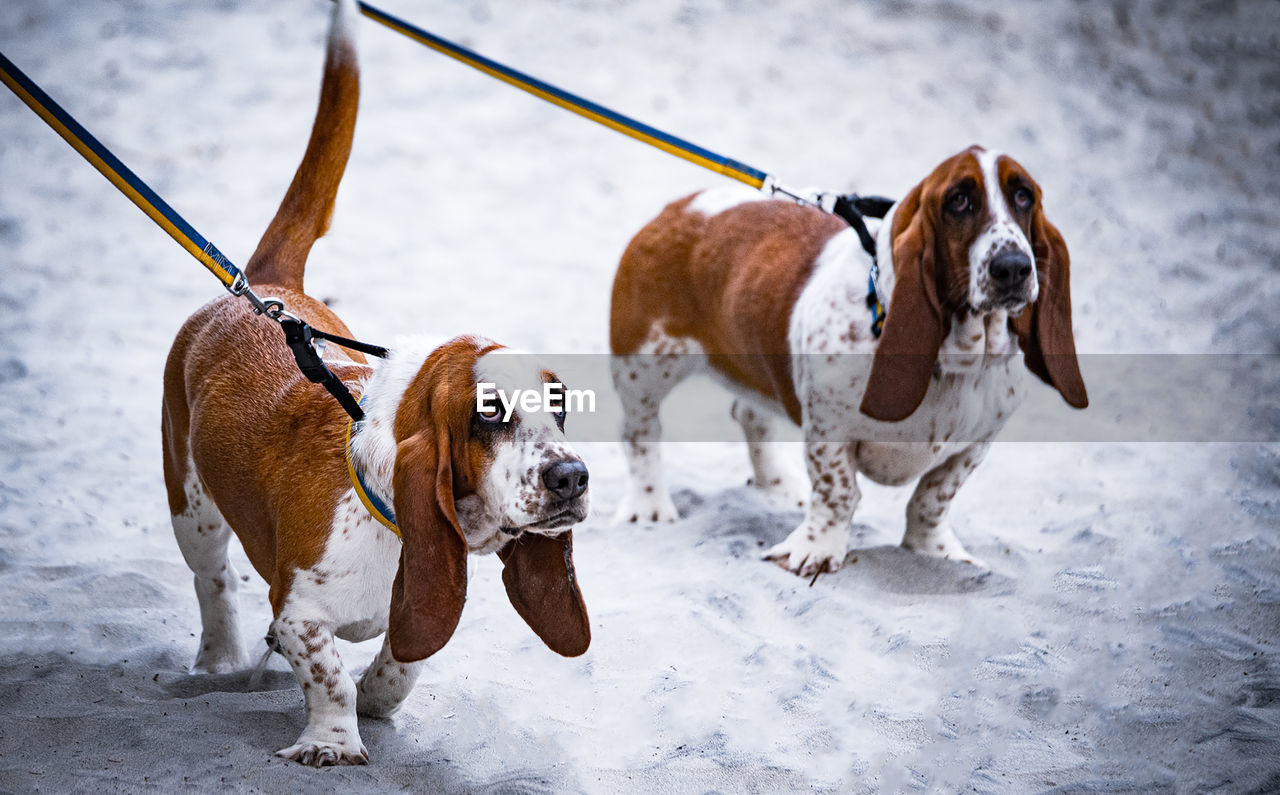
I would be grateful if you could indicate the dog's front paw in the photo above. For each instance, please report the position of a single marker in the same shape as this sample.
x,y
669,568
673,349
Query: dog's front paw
x,y
806,552
323,753
645,507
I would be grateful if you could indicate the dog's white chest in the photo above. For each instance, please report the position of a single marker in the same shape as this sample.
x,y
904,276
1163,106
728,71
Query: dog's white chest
x,y
350,586
970,398
958,412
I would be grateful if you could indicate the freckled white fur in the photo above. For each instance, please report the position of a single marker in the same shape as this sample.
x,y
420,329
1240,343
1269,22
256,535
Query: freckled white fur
x,y
642,380
345,594
511,494
965,406
1001,234
969,403
714,201
512,488
350,587
771,472
203,536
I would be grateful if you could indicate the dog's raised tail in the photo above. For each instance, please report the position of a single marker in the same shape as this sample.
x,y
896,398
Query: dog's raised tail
x,y
303,217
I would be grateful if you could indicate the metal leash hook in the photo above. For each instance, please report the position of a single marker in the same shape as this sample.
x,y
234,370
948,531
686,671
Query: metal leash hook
x,y
269,306
810,197
273,308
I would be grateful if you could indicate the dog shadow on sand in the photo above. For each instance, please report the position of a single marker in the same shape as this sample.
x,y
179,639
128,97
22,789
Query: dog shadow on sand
x,y
751,522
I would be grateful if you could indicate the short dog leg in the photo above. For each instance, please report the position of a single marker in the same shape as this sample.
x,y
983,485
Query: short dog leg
x,y
820,542
772,472
927,531
386,684
203,536
642,381
331,736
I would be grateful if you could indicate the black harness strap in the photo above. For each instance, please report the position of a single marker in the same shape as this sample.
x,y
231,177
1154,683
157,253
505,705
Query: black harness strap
x,y
355,345
299,336
854,209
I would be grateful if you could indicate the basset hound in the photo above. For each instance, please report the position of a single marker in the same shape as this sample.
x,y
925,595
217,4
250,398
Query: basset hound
x,y
361,528
773,299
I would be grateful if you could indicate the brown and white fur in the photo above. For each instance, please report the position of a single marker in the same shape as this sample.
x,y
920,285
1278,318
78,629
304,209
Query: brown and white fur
x,y
771,298
252,447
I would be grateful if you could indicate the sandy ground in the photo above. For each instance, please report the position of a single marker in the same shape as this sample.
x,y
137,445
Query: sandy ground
x,y
1126,638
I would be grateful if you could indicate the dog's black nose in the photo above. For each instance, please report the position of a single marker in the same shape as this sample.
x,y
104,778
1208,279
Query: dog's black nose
x,y
566,479
1010,268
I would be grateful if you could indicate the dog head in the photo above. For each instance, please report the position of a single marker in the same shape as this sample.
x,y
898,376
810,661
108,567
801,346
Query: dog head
x,y
972,238
514,470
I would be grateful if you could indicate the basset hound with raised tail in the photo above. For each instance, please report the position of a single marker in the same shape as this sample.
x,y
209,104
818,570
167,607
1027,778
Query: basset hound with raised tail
x,y
773,298
359,528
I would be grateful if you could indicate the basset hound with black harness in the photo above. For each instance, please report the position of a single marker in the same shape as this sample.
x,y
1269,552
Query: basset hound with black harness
x,y
773,299
361,528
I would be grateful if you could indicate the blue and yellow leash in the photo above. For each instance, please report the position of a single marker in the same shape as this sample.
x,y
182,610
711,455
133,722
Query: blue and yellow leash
x,y
125,180
671,144
851,207
298,334
583,107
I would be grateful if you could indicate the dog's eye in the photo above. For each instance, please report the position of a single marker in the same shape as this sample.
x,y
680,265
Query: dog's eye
x,y
1023,199
493,415
959,203
557,406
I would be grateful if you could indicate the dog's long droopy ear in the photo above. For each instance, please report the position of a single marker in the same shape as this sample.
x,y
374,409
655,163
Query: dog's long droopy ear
x,y
431,585
913,326
538,573
1044,329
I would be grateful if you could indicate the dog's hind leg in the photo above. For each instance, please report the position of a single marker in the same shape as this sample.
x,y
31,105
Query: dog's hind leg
x,y
773,474
203,536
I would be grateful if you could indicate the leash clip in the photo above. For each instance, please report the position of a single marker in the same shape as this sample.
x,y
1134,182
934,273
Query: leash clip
x,y
805,197
270,306
273,308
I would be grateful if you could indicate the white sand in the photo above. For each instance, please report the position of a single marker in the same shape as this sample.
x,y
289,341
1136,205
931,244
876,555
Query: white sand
x,y
1126,638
